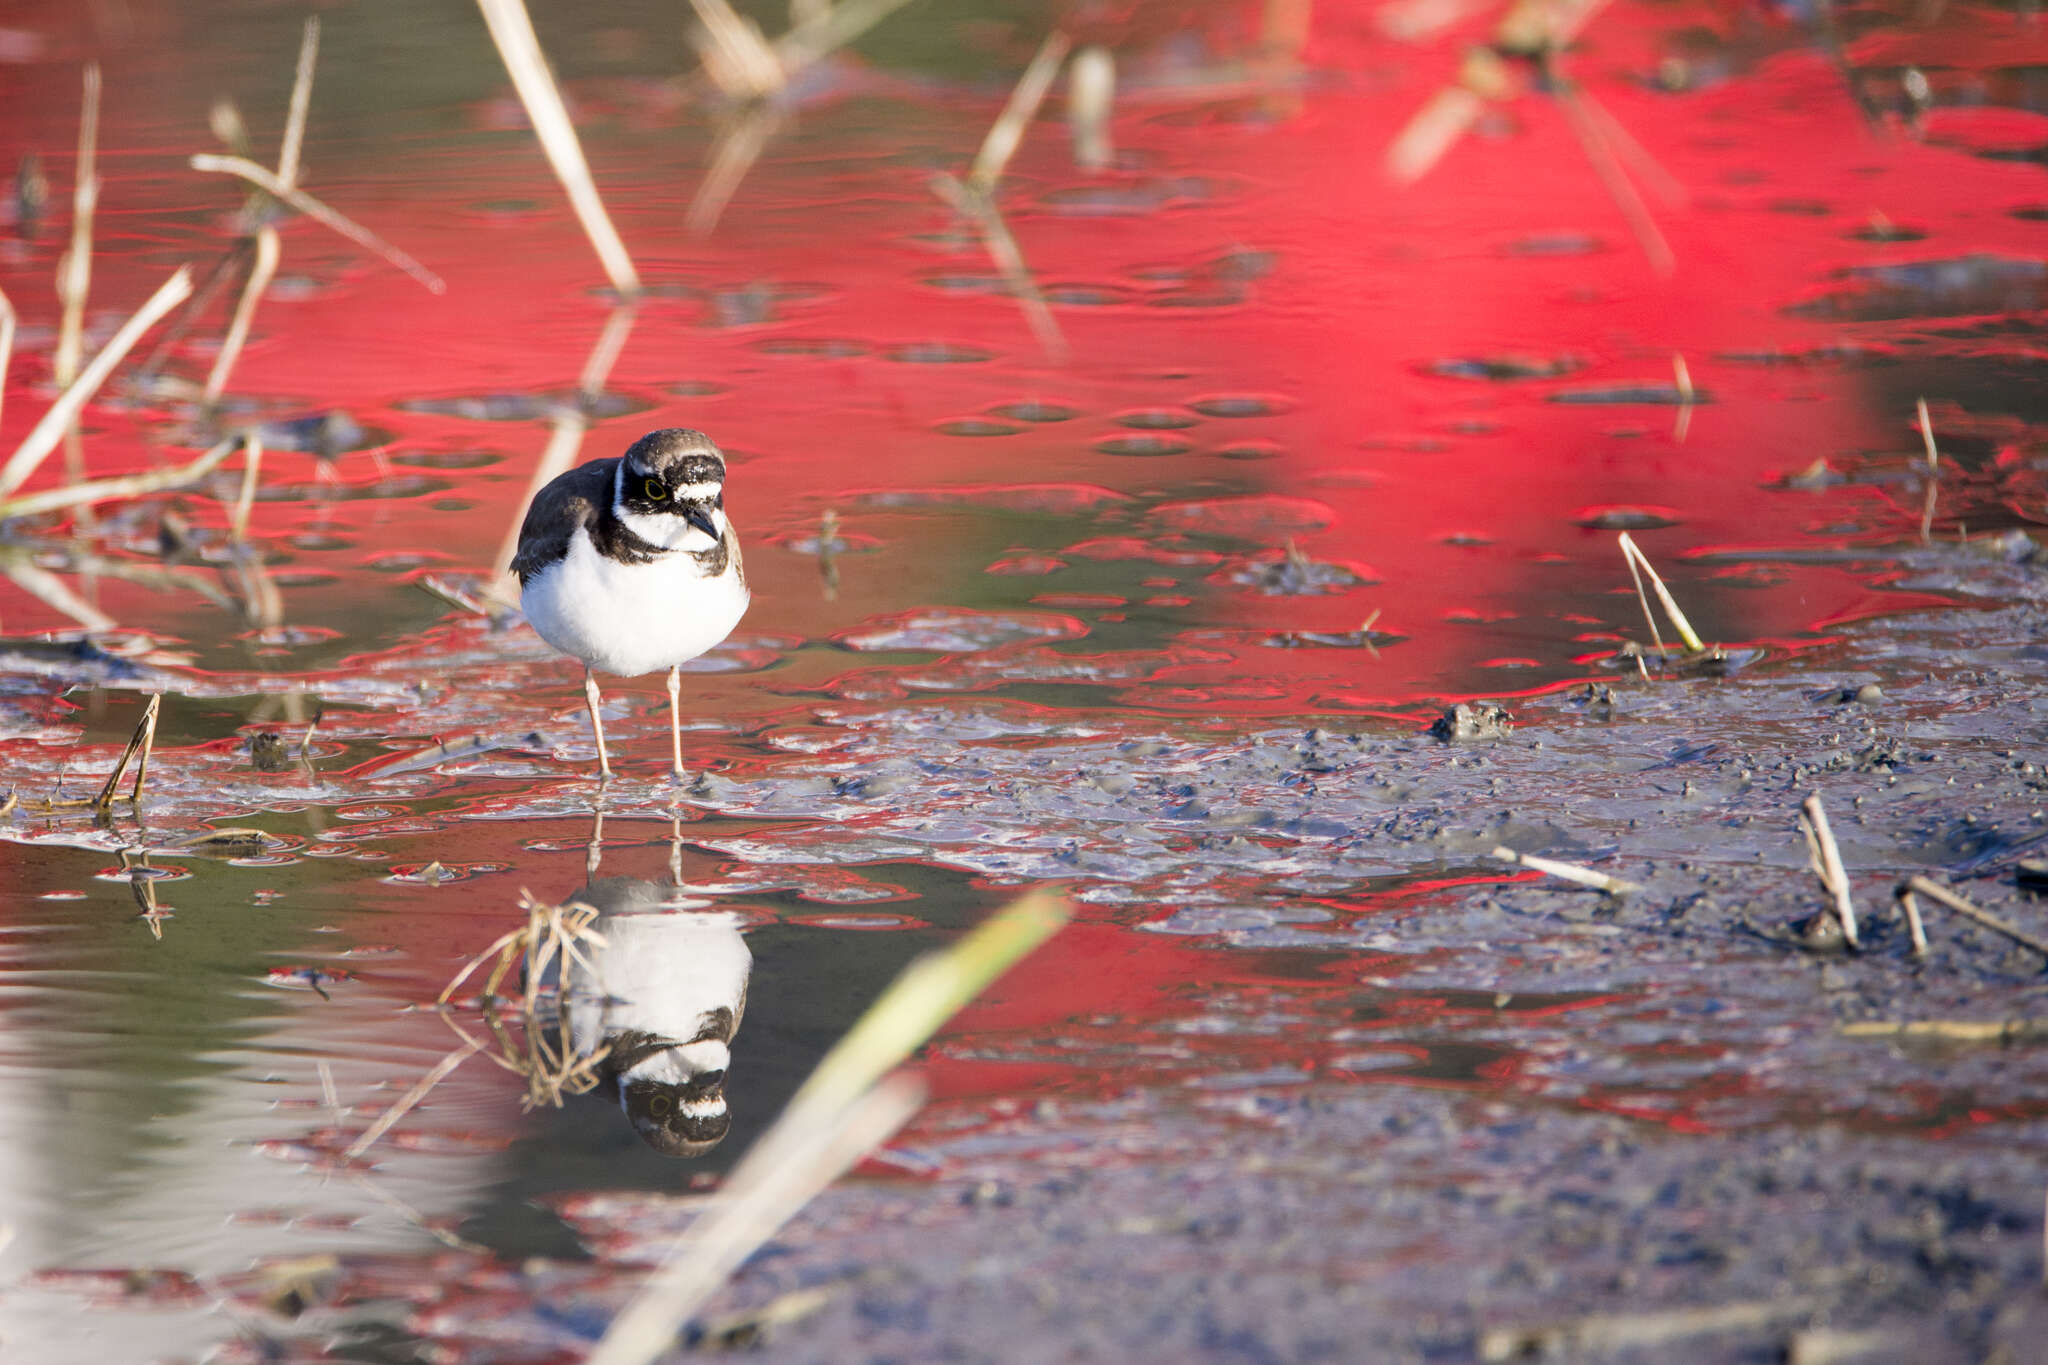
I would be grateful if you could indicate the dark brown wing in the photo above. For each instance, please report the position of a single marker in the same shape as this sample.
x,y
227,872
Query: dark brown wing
x,y
578,498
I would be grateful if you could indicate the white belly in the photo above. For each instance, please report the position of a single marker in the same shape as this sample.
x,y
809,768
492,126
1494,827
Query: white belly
x,y
631,619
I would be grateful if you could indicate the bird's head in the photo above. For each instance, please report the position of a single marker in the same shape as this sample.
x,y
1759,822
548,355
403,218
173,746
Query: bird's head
x,y
671,488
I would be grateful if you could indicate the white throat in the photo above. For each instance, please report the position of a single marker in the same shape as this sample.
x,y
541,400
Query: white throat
x,y
663,530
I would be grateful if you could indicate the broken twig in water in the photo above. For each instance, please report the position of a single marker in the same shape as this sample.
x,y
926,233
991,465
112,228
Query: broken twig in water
x,y
43,438
142,741
1638,561
1935,891
122,486
512,31
842,1111
1910,904
263,178
1825,857
1571,872
410,1098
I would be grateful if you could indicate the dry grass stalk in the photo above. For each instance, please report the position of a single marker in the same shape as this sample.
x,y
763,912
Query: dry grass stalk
x,y
263,178
261,270
121,486
1604,1333
74,269
1933,473
302,100
245,497
756,1203
512,31
1091,97
263,265
736,56
1638,560
1825,857
1910,903
142,741
43,438
1008,130
1682,378
842,1110
1950,1030
1937,892
420,1090
1571,872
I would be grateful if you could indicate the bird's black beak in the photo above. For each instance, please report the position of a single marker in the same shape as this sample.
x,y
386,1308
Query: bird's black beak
x,y
699,516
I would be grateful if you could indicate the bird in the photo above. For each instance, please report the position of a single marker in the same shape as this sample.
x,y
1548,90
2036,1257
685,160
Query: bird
x,y
630,565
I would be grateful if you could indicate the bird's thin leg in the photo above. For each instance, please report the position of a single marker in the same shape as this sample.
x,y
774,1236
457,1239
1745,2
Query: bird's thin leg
x,y
594,854
604,762
675,718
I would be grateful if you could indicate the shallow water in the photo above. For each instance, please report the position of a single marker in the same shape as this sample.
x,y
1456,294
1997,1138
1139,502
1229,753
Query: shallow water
x,y
1162,621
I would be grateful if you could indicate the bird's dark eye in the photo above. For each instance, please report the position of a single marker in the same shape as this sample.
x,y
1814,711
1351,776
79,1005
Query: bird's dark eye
x,y
654,490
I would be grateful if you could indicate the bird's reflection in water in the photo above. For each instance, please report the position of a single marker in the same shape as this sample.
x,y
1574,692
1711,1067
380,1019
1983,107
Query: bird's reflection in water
x,y
658,1003
662,1000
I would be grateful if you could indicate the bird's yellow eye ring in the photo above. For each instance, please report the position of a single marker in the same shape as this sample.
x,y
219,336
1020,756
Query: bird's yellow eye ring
x,y
654,489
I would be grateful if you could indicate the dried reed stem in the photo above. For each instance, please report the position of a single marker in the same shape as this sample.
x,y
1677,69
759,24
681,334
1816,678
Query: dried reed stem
x,y
263,178
46,433
1936,891
122,486
1910,903
252,463
1636,557
74,270
1091,97
410,1098
1933,473
1682,379
736,57
302,99
261,270
1571,872
142,740
757,1201
513,32
1826,859
1008,130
